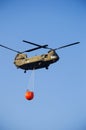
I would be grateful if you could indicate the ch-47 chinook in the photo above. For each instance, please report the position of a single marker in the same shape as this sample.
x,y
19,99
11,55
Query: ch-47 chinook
x,y
36,62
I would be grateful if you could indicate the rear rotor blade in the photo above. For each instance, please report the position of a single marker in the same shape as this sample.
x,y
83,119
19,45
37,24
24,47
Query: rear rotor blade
x,y
9,48
67,45
31,43
43,46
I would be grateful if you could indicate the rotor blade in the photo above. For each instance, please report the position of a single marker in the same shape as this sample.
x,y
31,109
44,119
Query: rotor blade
x,y
9,48
31,43
33,49
67,45
43,46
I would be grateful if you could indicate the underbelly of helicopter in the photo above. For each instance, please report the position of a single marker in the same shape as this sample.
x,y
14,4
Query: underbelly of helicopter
x,y
36,65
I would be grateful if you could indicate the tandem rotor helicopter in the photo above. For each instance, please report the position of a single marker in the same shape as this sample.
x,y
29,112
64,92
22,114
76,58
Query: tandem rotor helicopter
x,y
36,62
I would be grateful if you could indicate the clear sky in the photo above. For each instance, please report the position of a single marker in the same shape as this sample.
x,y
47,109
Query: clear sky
x,y
60,92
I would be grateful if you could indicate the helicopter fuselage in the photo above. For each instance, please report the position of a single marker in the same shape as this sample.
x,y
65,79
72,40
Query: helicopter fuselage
x,y
36,62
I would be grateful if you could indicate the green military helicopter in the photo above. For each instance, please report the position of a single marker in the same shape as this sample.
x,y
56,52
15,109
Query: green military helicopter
x,y
36,62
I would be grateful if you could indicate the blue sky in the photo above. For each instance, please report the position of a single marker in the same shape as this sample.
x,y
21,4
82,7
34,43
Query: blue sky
x,y
60,92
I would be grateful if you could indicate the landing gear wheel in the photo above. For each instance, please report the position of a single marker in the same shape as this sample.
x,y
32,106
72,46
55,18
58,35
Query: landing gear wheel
x,y
25,71
47,67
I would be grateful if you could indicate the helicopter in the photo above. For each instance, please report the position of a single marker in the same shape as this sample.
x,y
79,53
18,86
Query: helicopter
x,y
36,62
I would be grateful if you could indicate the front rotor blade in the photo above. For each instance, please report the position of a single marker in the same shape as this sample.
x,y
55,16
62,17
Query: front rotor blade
x,y
9,48
36,48
67,45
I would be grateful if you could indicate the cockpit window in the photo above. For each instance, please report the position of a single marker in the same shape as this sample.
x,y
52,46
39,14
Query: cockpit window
x,y
20,56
